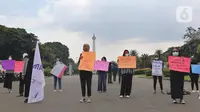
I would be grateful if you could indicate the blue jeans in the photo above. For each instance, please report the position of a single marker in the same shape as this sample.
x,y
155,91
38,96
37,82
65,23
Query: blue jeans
x,y
102,76
55,82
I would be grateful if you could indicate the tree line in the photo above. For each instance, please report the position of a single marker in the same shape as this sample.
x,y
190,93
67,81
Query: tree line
x,y
16,41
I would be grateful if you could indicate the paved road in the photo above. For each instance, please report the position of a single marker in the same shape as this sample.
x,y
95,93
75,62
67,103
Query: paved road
x,y
68,101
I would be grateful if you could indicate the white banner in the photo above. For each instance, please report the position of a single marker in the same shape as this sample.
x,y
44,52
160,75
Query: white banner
x,y
157,67
36,93
58,70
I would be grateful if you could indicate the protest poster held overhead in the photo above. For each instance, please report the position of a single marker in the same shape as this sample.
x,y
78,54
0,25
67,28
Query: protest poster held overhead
x,y
36,93
157,68
58,70
101,65
87,61
127,61
180,64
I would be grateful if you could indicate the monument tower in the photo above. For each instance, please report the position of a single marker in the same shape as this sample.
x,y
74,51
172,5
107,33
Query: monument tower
x,y
93,43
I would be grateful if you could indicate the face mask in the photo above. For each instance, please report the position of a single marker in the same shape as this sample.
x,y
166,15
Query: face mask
x,y
126,54
175,53
156,58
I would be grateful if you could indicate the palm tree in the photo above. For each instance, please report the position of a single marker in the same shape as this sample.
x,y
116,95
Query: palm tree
x,y
134,53
145,60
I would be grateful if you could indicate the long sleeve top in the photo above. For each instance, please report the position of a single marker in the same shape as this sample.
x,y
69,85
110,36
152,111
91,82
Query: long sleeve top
x,y
26,59
123,71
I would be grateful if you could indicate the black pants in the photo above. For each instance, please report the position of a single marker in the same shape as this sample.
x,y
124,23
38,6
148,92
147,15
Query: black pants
x,y
8,80
21,85
86,80
120,78
126,84
110,77
155,82
114,76
27,81
194,81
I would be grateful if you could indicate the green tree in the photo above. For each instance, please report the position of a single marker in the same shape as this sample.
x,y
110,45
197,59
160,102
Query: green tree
x,y
59,50
135,53
15,42
146,62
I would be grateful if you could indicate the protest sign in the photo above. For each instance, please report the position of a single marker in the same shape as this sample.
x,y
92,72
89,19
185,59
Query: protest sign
x,y
180,64
195,69
157,68
19,65
127,62
8,64
58,70
101,65
87,61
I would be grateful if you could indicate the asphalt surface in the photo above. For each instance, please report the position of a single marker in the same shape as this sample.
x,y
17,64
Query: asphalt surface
x,y
142,100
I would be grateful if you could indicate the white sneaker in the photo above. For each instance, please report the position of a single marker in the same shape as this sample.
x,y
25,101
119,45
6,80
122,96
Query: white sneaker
x,y
182,101
54,90
197,91
127,96
199,97
82,100
174,101
121,96
60,90
89,100
193,91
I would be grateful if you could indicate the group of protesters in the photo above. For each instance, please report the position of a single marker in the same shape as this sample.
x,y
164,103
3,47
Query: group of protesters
x,y
176,79
125,78
24,77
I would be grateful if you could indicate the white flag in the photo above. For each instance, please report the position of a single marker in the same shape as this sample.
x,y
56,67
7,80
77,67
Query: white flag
x,y
36,93
157,68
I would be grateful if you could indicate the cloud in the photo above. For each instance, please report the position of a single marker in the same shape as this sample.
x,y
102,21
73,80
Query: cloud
x,y
118,24
117,19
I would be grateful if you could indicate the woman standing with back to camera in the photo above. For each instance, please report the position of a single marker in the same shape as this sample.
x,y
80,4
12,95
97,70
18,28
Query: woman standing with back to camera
x,y
177,81
85,78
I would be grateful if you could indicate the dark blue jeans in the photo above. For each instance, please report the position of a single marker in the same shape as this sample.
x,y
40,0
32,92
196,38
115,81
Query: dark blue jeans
x,y
55,82
102,81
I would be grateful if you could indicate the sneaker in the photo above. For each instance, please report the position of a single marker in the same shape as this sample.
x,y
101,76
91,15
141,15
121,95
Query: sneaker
x,y
199,97
162,92
54,90
182,101
82,100
100,91
121,96
60,90
174,102
89,100
197,91
154,92
127,96
193,91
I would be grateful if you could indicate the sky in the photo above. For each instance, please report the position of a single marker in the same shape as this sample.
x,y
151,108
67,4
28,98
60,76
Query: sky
x,y
142,25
